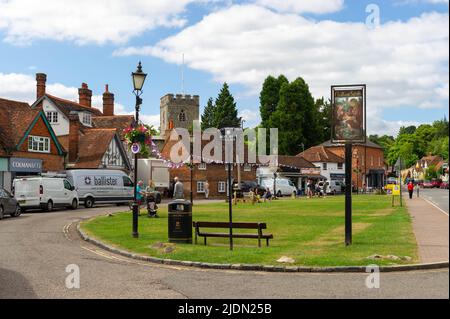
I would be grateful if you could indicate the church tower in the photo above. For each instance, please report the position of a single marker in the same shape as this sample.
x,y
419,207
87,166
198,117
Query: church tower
x,y
178,111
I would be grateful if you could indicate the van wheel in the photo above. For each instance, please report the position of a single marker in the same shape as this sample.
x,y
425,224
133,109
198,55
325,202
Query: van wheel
x,y
17,212
334,192
279,194
1,212
74,204
89,202
49,206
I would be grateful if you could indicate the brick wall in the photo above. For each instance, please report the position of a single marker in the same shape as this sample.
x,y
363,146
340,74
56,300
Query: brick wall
x,y
214,174
51,161
374,159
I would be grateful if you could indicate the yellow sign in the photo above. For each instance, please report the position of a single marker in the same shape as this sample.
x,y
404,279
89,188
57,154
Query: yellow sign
x,y
396,190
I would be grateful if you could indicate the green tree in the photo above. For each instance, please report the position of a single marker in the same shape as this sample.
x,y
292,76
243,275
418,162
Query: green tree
x,y
431,172
323,109
208,115
295,118
269,97
225,112
407,130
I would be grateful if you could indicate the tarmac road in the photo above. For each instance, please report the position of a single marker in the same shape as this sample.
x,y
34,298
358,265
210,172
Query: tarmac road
x,y
437,196
36,248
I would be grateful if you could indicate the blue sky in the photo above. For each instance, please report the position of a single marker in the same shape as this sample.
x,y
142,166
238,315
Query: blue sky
x,y
404,60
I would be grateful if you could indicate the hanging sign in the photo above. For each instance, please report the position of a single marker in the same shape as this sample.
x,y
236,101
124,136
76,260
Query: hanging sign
x,y
348,114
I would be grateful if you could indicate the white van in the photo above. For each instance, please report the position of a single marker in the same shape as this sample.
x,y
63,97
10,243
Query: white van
x,y
284,186
44,192
106,186
333,187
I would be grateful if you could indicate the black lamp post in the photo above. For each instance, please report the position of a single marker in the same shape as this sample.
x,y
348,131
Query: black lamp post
x,y
138,82
275,185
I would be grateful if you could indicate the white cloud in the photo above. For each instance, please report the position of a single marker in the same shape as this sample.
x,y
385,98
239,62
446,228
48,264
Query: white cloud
x,y
86,21
251,117
303,6
22,87
402,63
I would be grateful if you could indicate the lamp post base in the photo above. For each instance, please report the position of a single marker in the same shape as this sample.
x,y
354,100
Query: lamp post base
x,y
135,233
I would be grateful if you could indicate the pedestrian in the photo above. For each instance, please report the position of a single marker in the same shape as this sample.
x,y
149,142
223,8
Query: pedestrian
x,y
311,189
267,194
139,193
206,189
178,189
325,186
410,189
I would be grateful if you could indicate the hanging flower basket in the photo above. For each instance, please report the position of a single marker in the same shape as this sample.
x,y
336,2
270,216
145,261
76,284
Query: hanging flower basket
x,y
142,134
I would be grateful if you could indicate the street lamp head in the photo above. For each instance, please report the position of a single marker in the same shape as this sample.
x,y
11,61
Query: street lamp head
x,y
138,78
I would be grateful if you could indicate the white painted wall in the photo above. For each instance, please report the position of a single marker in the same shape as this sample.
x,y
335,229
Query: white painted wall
x,y
62,127
332,168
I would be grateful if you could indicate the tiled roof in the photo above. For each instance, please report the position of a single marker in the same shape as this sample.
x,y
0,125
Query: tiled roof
x,y
15,118
67,106
118,122
92,146
367,144
320,154
295,161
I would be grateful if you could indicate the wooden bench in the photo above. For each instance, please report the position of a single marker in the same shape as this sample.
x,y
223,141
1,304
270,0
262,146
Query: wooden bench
x,y
257,226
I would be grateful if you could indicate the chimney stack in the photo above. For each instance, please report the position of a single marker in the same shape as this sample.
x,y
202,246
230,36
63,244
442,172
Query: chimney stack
x,y
74,128
84,95
108,102
41,79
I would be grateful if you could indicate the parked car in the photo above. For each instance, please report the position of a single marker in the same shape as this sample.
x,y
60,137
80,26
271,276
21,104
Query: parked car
x,y
283,186
45,193
246,186
444,185
436,183
8,204
390,183
106,186
333,187
427,184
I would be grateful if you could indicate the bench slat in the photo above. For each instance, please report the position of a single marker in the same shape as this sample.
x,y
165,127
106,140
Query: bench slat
x,y
227,225
270,236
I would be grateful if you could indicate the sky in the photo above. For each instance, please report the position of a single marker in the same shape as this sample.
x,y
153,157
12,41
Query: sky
x,y
398,48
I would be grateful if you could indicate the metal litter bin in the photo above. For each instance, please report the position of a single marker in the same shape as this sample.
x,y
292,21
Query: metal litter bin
x,y
180,221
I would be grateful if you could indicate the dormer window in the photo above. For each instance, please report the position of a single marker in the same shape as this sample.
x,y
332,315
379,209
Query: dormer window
x,y
182,116
52,117
86,119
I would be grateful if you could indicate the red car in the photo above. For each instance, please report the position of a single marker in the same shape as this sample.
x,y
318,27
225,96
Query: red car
x,y
427,184
444,185
436,183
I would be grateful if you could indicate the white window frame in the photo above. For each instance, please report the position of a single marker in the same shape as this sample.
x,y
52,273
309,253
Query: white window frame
x,y
86,118
37,142
247,168
340,165
52,117
202,166
200,187
222,187
324,166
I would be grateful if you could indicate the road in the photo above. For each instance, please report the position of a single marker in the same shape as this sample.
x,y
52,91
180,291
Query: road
x,y
36,248
437,196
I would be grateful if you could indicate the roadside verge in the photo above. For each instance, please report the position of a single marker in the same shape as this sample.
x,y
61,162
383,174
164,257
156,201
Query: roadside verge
x,y
254,267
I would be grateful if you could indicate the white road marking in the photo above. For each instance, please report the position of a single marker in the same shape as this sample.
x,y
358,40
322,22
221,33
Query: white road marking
x,y
443,211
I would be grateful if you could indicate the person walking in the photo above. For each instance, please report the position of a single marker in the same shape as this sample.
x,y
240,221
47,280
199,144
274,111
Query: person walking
x,y
139,193
410,189
178,189
206,189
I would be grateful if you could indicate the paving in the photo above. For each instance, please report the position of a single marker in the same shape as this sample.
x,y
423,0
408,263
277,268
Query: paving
x,y
36,248
430,225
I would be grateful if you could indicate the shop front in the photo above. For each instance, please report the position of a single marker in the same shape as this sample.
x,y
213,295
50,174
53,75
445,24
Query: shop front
x,y
13,167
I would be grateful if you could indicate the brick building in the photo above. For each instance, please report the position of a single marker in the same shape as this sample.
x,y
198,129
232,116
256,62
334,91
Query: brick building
x,y
93,139
216,174
28,144
368,166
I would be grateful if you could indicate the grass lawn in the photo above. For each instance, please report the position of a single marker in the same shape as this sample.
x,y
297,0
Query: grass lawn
x,y
311,231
